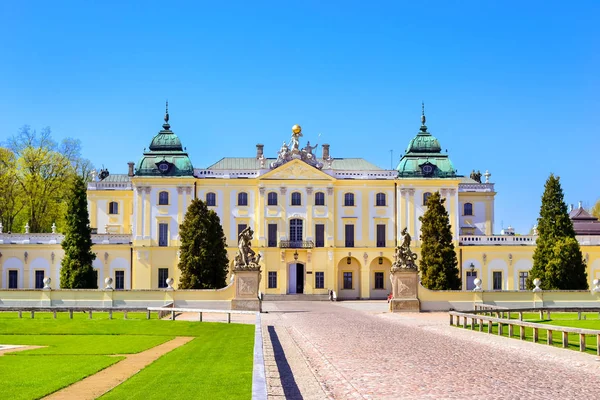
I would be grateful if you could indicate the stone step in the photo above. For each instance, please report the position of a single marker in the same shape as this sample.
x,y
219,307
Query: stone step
x,y
295,297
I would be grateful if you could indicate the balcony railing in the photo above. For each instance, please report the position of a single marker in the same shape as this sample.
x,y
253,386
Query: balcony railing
x,y
296,244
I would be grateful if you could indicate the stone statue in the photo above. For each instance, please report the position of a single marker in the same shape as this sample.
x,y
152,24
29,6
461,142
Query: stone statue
x,y
291,151
296,134
246,258
404,257
476,176
308,150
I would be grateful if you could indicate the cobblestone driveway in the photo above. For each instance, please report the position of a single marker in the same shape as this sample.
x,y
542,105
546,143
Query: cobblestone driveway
x,y
356,350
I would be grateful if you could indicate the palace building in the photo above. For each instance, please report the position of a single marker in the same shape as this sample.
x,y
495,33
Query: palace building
x,y
321,222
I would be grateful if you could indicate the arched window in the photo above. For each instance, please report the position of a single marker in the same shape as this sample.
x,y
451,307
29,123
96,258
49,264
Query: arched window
x,y
163,198
426,197
295,230
113,207
380,199
296,199
319,199
349,199
242,199
211,199
468,209
272,199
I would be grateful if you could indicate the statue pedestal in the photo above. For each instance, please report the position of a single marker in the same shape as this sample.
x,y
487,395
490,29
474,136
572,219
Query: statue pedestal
x,y
246,291
404,291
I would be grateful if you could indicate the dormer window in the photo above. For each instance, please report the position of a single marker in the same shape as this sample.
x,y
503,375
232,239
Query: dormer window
x,y
163,198
427,169
164,166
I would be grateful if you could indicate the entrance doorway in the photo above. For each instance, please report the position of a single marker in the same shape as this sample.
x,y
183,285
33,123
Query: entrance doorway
x,y
296,279
471,275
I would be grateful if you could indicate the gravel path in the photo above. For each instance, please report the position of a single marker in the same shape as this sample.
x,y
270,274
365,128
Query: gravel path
x,y
357,350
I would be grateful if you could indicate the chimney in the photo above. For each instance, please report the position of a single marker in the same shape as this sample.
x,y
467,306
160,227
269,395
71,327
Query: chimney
x,y
259,150
580,204
131,164
571,208
325,151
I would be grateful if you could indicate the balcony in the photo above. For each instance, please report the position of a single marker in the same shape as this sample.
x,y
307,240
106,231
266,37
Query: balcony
x,y
296,244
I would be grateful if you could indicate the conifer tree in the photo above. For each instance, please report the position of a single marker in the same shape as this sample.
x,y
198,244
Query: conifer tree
x,y
76,269
203,259
557,258
438,264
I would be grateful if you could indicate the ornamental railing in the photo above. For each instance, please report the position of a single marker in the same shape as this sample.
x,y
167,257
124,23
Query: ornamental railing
x,y
296,244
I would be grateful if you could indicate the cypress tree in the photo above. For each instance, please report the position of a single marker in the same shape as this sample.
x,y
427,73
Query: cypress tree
x,y
557,259
76,268
438,264
203,259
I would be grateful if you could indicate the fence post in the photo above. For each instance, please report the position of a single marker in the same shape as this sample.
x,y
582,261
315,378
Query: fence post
x,y
480,325
508,314
32,314
548,314
70,313
500,328
229,319
200,318
451,319
489,326
473,323
549,337
90,312
54,312
520,316
20,314
522,332
565,339
465,322
172,315
148,314
110,313
582,342
541,314
535,335
125,314
579,315
510,330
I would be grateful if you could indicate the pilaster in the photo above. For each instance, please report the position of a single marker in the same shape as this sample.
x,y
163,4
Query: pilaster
x,y
147,211
401,214
412,216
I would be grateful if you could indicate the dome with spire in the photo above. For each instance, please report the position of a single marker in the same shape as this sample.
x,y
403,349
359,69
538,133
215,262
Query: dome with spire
x,y
424,157
166,156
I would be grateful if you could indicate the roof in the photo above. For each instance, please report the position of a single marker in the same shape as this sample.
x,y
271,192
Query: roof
x,y
252,163
584,223
117,178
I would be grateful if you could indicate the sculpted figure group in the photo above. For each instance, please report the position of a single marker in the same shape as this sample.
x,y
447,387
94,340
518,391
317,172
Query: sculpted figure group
x,y
404,257
290,151
246,259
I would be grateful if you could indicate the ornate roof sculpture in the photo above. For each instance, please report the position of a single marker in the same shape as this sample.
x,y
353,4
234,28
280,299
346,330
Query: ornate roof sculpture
x,y
292,151
424,157
166,156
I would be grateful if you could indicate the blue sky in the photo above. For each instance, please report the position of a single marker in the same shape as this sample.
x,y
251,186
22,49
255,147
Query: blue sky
x,y
509,86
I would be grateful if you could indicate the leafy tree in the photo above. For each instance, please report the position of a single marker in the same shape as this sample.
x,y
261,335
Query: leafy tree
x,y
595,211
203,259
557,258
11,196
76,270
43,169
438,258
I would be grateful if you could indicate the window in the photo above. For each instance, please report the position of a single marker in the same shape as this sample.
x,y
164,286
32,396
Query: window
x,y
426,197
242,199
13,279
347,280
319,235
319,199
320,280
272,199
381,235
380,199
497,280
349,199
163,275
470,279
163,198
349,235
272,279
379,280
163,235
113,207
272,235
119,280
241,227
295,230
39,279
468,209
296,199
523,280
211,199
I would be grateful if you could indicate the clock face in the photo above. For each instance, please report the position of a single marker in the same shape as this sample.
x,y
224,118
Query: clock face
x,y
163,167
427,169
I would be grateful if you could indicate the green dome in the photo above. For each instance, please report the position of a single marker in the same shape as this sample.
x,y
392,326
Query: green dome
x,y
166,156
424,157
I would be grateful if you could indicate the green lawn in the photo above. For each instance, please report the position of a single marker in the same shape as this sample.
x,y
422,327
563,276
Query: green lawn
x,y
557,319
217,364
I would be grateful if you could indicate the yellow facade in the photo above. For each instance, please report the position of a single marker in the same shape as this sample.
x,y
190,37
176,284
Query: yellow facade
x,y
320,224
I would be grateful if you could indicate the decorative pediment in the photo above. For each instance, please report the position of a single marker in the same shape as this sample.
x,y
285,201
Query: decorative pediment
x,y
297,169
